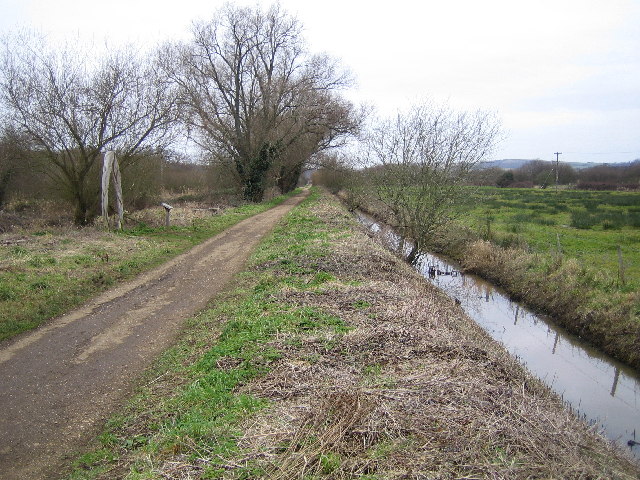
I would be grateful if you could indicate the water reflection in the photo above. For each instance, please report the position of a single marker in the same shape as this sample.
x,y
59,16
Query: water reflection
x,y
596,386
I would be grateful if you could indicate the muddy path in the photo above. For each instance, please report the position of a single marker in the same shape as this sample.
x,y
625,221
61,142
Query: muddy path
x,y
60,382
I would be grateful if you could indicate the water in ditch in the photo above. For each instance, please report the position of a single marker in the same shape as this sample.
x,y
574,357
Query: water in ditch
x,y
597,387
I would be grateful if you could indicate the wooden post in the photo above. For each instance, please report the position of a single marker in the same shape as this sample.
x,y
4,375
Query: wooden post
x,y
110,169
620,267
117,183
557,154
167,213
106,176
558,247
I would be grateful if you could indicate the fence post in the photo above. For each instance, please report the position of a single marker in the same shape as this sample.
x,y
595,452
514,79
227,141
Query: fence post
x,y
620,266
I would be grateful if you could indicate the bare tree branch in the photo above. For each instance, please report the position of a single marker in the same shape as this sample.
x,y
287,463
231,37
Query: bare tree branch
x,y
416,164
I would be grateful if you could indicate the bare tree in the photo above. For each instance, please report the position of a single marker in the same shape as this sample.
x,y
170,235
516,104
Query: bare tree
x,y
418,161
73,106
323,122
253,95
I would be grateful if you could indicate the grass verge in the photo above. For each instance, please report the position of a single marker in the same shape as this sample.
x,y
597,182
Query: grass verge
x,y
332,359
46,273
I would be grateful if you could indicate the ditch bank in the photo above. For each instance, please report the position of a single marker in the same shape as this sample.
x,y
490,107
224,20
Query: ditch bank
x,y
599,389
567,292
332,358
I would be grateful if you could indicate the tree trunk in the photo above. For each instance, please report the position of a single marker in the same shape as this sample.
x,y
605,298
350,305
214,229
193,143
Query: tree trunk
x,y
255,181
288,178
81,215
84,206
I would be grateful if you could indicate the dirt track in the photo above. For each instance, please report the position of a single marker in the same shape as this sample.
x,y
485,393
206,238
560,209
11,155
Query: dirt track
x,y
60,382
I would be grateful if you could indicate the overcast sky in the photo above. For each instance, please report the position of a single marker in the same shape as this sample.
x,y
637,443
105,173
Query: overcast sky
x,y
563,75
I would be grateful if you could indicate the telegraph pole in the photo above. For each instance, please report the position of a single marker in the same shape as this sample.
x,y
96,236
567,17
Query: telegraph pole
x,y
557,154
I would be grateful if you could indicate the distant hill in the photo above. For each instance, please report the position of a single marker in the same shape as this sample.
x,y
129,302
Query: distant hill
x,y
513,163
507,163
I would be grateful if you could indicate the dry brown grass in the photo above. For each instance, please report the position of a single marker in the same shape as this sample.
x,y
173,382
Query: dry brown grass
x,y
63,244
182,215
33,215
414,391
25,216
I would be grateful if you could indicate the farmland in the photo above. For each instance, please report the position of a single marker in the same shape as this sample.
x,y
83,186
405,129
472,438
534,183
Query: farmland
x,y
587,226
570,254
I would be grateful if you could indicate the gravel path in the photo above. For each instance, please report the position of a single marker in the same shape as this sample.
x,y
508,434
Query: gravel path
x,y
60,382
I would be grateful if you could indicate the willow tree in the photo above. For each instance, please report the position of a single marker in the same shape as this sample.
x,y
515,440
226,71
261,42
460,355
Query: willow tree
x,y
417,163
253,95
72,106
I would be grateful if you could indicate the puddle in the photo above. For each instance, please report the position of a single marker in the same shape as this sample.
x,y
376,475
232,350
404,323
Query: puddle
x,y
596,386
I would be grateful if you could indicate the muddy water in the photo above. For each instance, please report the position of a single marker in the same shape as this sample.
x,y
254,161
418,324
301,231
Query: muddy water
x,y
597,387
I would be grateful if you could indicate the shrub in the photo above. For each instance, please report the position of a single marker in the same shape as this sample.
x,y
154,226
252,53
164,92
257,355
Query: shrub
x,y
633,219
523,184
583,220
600,186
544,221
505,179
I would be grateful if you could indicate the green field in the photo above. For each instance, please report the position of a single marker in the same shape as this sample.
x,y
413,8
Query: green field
x,y
588,226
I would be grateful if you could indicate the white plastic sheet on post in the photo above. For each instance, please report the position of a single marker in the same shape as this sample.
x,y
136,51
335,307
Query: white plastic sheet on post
x,y
110,168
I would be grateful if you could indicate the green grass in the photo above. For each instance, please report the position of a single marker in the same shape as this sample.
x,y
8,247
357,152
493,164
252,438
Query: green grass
x,y
223,347
590,226
56,272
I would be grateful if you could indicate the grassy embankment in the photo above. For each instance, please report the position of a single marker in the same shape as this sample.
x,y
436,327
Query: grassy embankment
x,y
48,272
331,358
558,252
